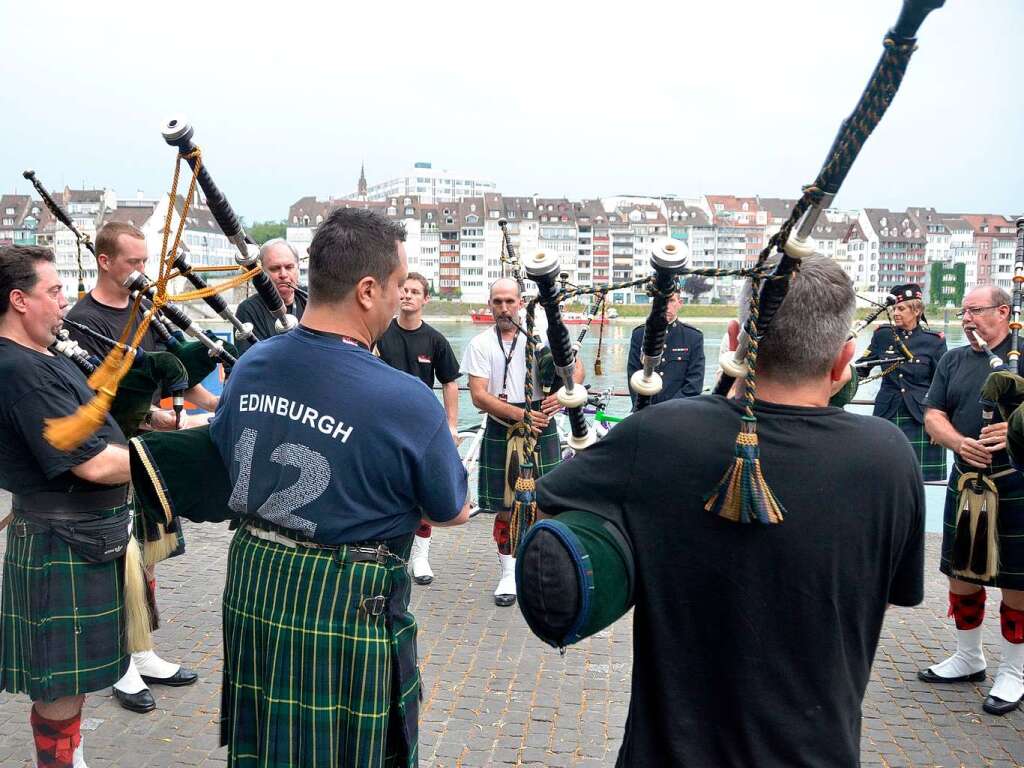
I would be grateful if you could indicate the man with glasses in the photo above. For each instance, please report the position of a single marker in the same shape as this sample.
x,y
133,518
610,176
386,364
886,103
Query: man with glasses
x,y
280,260
953,419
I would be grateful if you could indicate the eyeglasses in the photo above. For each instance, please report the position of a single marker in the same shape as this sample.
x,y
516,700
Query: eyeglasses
x,y
975,311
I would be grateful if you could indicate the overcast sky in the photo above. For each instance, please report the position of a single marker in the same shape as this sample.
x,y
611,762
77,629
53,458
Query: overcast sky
x,y
555,98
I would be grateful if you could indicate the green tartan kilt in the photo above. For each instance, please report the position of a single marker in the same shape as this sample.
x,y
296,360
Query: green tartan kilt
x,y
63,626
491,473
1009,524
931,456
311,677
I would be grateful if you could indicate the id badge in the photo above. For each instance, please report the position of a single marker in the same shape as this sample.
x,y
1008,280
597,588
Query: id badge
x,y
503,397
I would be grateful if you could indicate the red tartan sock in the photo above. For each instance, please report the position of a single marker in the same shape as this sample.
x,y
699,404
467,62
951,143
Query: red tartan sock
x,y
1011,621
968,611
56,740
424,530
501,537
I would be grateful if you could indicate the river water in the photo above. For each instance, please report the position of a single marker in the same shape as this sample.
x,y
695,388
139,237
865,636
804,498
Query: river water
x,y
614,355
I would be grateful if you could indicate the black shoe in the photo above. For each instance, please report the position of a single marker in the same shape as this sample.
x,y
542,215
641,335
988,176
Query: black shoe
x,y
996,706
423,579
930,677
181,677
504,601
140,702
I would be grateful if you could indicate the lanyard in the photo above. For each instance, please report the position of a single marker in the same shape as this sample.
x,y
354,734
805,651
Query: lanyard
x,y
508,359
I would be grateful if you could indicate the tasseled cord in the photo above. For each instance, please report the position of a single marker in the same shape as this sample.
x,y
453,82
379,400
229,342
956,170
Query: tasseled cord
x,y
524,507
743,495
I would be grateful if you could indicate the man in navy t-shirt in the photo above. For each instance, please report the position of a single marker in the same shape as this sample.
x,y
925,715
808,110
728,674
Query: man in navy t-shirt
x,y
334,458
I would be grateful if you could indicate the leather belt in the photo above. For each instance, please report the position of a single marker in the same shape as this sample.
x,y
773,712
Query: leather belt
x,y
59,505
348,553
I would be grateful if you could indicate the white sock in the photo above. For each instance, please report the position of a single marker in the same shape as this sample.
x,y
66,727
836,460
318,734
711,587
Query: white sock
x,y
79,758
151,665
968,659
132,680
1009,684
507,582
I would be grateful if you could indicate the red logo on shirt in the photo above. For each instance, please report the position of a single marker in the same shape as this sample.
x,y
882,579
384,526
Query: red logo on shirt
x,y
423,358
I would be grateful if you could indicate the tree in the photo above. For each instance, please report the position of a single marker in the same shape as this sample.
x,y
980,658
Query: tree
x,y
695,285
261,231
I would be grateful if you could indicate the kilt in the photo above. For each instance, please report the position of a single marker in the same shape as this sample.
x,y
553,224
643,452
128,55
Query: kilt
x,y
62,631
491,472
1010,525
311,678
931,456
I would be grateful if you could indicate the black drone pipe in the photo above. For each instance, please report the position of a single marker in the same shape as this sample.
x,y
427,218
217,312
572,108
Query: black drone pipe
x,y
138,282
59,213
67,346
543,269
214,301
178,133
517,271
899,45
1013,357
667,259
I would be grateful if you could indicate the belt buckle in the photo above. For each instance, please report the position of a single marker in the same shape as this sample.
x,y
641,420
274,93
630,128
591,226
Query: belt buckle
x,y
382,554
374,606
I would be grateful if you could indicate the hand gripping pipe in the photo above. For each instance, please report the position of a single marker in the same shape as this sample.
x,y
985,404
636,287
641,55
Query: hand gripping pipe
x,y
138,282
667,258
543,269
215,301
178,133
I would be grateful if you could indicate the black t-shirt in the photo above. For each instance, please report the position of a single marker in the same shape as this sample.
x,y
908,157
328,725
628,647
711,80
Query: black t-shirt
x,y
253,310
38,387
956,389
109,321
753,643
424,353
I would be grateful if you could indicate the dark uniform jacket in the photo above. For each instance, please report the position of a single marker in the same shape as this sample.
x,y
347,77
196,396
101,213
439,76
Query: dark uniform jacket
x,y
682,364
253,310
909,381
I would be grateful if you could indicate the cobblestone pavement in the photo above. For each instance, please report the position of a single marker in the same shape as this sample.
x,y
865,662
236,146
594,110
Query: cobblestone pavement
x,y
494,695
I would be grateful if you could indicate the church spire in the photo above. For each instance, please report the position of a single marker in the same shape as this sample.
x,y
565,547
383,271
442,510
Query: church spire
x,y
361,190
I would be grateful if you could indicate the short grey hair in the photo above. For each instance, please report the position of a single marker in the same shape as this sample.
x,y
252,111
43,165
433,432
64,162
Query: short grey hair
x,y
265,248
811,325
997,295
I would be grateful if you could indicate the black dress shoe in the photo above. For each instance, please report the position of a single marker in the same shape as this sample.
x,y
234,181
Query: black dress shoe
x,y
996,706
930,677
181,677
423,579
504,601
140,702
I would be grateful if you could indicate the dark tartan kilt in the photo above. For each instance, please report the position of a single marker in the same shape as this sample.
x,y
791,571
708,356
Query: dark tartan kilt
x,y
63,626
931,456
1010,524
491,472
310,677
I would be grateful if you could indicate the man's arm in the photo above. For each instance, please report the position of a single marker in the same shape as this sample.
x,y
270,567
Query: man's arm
x,y
461,518
941,430
108,467
693,383
202,397
495,406
450,397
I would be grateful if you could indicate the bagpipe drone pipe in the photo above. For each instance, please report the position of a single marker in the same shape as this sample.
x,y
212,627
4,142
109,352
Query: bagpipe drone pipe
x,y
178,133
743,495
575,572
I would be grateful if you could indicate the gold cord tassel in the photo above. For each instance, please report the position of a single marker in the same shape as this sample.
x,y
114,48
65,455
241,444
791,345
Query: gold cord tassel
x,y
524,509
68,432
136,606
107,372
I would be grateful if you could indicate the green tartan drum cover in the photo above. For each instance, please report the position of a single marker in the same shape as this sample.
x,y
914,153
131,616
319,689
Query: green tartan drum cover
x,y
1009,524
491,477
930,456
63,626
312,678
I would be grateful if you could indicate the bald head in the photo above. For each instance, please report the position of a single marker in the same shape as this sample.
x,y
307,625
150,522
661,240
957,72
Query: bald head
x,y
504,284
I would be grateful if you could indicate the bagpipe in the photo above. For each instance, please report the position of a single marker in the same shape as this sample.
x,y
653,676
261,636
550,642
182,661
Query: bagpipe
x,y
575,572
743,495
